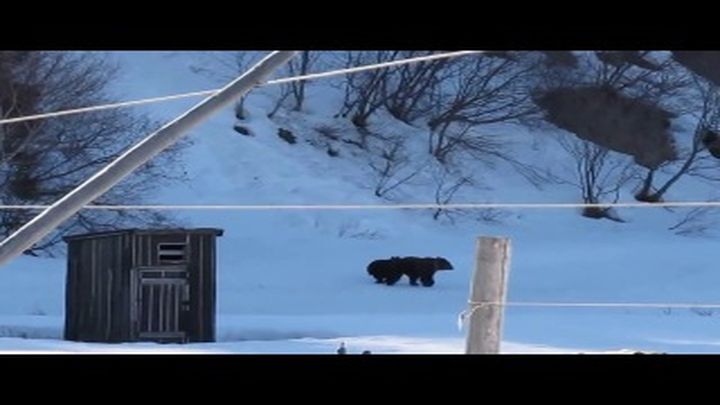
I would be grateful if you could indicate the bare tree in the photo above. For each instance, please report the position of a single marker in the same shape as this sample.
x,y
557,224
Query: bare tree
x,y
299,67
42,160
455,97
477,91
696,221
642,92
285,93
635,73
623,101
447,184
598,175
393,167
225,66
694,162
404,91
364,91
408,89
296,67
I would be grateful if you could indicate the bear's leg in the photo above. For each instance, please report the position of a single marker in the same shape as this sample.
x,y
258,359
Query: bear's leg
x,y
393,277
427,279
412,274
413,279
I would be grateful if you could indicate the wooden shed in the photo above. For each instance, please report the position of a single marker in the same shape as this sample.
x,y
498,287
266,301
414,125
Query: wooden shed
x,y
141,285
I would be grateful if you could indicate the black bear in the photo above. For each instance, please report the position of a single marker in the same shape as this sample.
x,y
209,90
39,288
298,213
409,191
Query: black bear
x,y
389,271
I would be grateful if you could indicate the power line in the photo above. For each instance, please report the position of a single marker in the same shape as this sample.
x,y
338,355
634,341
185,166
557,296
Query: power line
x,y
316,207
213,91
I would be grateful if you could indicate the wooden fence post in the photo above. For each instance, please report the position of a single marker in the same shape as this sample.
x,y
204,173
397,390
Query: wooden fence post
x,y
488,289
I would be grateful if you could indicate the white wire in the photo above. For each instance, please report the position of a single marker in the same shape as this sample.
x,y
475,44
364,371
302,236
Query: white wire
x,y
372,67
475,305
213,91
285,207
662,305
106,106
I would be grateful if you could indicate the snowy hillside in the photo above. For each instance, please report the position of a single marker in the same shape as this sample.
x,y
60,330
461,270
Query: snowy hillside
x,y
295,281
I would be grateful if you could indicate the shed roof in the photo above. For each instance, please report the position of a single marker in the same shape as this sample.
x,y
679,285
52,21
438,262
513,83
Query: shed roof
x,y
157,231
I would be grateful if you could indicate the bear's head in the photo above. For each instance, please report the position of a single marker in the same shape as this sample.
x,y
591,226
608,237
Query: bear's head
x,y
441,263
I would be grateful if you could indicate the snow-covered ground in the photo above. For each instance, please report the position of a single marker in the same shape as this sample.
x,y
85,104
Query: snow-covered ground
x,y
295,281
267,334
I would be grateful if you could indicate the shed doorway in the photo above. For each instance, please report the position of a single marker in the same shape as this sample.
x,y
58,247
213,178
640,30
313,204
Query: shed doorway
x,y
162,302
